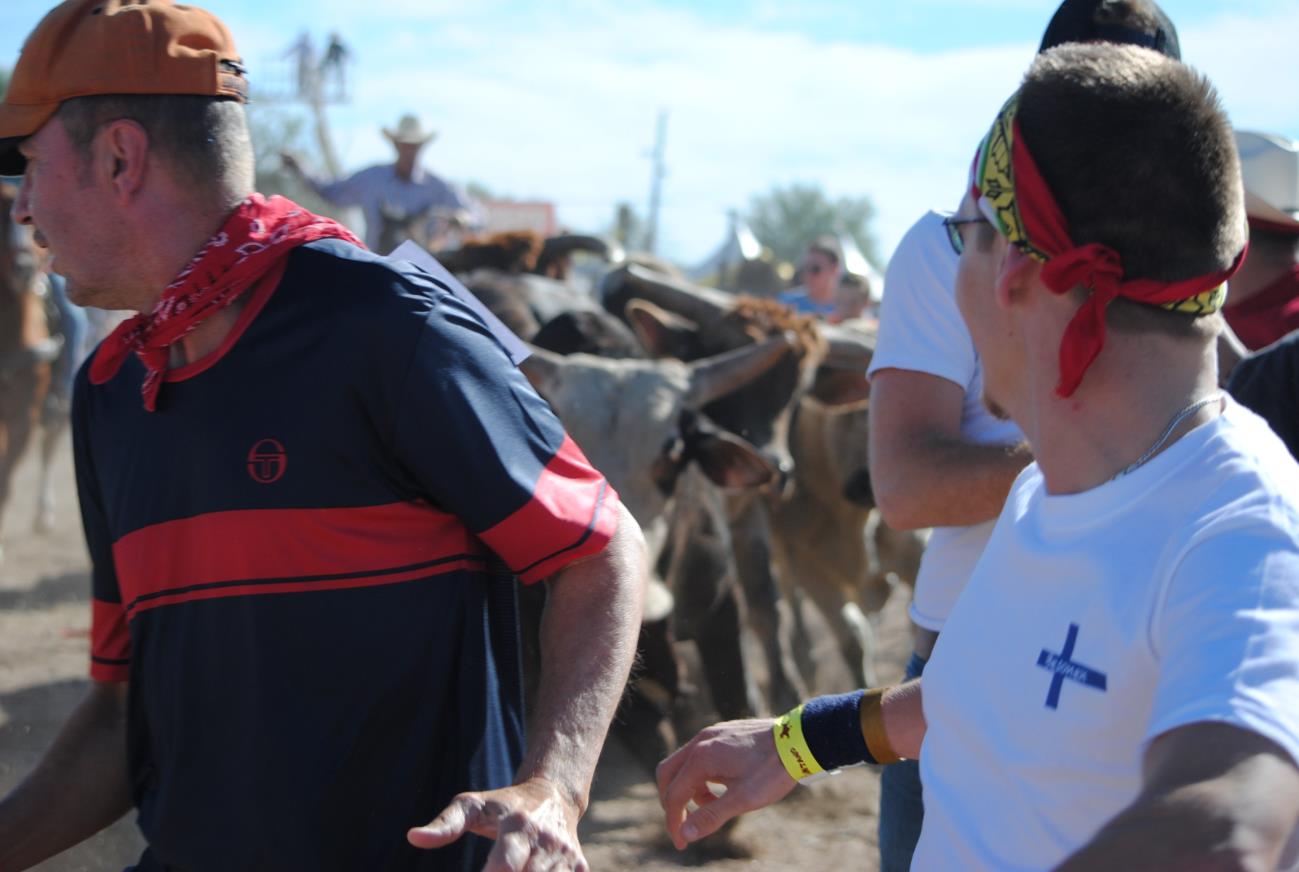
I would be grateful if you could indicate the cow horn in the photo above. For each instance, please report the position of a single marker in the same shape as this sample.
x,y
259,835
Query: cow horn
x,y
714,377
848,349
701,305
558,246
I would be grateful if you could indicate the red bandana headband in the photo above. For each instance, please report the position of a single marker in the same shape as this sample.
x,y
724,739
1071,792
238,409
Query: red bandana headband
x,y
254,238
1011,192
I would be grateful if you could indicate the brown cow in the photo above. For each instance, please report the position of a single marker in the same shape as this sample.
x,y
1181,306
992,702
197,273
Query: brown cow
x,y
829,541
26,349
687,322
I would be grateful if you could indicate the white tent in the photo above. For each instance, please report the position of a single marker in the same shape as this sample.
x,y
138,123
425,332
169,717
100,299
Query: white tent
x,y
739,245
855,262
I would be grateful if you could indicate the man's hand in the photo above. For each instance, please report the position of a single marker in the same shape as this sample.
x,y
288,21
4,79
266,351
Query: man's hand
x,y
738,755
535,828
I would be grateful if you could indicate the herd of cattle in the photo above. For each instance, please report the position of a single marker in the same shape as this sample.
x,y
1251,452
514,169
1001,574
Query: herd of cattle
x,y
733,429
735,432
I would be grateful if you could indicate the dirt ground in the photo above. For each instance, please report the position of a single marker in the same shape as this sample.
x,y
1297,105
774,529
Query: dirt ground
x,y
44,640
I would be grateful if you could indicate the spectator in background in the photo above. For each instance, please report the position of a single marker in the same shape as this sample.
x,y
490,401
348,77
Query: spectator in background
x,y
820,273
851,299
1264,296
333,66
400,191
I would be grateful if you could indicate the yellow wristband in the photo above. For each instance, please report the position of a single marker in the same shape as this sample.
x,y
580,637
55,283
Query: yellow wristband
x,y
792,747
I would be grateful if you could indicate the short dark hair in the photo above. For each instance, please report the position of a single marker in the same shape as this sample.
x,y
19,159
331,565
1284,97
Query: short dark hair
x,y
203,139
1140,157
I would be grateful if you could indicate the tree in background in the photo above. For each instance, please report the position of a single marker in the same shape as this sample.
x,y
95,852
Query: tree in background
x,y
787,219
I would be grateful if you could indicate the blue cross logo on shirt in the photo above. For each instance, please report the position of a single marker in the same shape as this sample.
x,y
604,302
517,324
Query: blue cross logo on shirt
x,y
1063,666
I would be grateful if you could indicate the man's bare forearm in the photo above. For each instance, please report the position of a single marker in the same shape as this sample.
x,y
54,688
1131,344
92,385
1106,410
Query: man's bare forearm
x,y
924,473
1215,797
79,787
1174,834
588,640
947,482
904,718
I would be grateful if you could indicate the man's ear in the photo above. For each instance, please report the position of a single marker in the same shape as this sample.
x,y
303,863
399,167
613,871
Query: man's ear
x,y
1015,275
121,155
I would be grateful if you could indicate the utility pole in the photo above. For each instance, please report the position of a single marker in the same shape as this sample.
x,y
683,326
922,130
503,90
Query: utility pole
x,y
657,172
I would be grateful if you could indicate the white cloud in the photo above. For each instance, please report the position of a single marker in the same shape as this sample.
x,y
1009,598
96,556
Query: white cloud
x,y
566,110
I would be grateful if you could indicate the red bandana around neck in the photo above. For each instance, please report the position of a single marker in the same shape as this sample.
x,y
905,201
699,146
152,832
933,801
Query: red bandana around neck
x,y
1013,195
253,239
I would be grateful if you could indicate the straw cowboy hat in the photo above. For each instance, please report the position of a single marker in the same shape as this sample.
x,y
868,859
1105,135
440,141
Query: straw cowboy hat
x,y
1269,167
409,132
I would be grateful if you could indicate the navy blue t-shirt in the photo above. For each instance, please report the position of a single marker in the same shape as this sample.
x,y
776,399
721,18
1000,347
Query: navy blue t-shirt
x,y
1267,382
292,563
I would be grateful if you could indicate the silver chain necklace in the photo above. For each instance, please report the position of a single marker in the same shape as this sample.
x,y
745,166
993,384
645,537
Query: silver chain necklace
x,y
1168,431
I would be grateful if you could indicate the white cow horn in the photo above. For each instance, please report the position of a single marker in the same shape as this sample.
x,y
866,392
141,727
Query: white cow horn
x,y
714,377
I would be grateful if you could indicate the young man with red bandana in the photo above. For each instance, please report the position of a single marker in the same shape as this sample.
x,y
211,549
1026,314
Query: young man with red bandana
x,y
938,457
308,476
1118,685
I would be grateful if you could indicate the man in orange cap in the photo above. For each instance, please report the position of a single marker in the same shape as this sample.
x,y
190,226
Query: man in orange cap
x,y
308,478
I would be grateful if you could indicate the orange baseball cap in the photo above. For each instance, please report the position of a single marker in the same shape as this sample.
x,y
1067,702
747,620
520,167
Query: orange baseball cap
x,y
87,47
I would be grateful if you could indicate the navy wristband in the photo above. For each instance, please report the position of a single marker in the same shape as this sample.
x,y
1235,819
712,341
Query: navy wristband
x,y
832,730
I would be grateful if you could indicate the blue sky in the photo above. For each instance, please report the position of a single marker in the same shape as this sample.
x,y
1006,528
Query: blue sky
x,y
558,101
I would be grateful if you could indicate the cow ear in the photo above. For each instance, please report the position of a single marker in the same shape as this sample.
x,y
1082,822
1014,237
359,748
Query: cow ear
x,y
731,462
662,333
840,387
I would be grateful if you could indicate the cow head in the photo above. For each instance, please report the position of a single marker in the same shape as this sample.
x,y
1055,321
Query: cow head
x,y
674,319
636,419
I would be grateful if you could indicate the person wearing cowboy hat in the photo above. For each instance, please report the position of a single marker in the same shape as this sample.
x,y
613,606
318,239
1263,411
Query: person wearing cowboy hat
x,y
402,188
1264,299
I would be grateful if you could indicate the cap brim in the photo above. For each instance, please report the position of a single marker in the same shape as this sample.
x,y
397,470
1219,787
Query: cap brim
x,y
16,124
1258,209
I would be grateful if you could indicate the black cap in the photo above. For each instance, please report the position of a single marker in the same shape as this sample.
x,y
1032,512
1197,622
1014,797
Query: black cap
x,y
1106,21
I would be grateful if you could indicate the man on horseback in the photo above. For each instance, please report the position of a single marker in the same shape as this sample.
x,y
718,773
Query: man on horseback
x,y
308,478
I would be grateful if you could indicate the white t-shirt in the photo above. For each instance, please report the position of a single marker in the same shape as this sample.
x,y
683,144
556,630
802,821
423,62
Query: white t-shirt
x,y
921,330
1096,622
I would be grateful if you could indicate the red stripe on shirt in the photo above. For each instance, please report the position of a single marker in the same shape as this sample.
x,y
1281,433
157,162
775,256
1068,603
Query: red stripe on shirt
x,y
170,598
573,514
110,642
287,549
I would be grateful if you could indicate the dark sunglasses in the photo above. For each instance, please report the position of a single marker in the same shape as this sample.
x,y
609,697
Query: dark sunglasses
x,y
953,225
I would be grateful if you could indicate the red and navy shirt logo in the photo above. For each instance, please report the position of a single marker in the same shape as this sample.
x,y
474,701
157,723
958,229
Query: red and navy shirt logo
x,y
267,461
